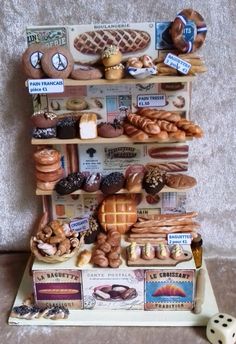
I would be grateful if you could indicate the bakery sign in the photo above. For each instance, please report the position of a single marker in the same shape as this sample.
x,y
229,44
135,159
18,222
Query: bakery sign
x,y
151,100
43,86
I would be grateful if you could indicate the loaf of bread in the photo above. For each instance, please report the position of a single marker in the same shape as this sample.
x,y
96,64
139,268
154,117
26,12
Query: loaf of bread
x,y
180,181
135,133
117,212
166,125
88,126
127,40
150,127
134,182
159,114
190,128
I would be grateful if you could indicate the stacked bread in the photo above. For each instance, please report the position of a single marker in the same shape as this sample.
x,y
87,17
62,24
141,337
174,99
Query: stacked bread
x,y
160,124
156,230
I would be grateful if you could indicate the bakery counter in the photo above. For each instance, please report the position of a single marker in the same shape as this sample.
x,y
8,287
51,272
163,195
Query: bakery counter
x,y
12,267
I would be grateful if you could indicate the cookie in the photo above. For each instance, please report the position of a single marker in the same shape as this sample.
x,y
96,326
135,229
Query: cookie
x,y
57,62
31,61
112,183
153,181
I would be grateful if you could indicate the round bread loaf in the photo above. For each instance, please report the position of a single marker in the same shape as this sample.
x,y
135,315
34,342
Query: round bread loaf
x,y
31,61
117,212
57,62
110,129
112,183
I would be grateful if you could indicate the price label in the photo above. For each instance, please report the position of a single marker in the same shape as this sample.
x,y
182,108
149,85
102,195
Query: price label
x,y
175,62
43,86
151,100
179,238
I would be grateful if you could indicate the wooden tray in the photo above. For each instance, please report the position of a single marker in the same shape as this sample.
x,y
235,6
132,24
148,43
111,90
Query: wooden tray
x,y
157,261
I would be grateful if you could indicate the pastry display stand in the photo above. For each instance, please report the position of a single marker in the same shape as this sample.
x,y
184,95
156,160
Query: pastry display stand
x,y
118,317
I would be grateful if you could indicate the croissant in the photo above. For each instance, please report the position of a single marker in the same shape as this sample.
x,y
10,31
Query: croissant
x,y
148,126
169,290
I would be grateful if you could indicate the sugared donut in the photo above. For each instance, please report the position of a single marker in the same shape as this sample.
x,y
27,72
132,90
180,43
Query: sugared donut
x,y
49,176
46,156
178,26
86,72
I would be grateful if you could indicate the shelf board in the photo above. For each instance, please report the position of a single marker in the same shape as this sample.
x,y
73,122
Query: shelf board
x,y
128,80
122,191
99,140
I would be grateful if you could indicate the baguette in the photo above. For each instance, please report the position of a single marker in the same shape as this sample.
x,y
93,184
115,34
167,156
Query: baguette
x,y
167,126
135,133
172,216
159,114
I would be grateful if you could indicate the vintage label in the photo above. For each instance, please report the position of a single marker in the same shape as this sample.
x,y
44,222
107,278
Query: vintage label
x,y
169,290
152,100
175,62
44,86
57,288
80,225
113,289
49,36
179,238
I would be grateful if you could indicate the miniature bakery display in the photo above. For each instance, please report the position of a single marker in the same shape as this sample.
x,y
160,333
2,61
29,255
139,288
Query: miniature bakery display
x,y
112,166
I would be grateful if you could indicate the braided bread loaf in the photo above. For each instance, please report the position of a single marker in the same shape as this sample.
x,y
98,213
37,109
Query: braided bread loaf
x,y
150,127
190,128
159,114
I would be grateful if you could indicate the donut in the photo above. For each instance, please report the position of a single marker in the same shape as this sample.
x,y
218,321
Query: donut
x,y
111,56
44,133
47,156
49,176
48,168
31,61
76,104
57,62
86,72
71,183
44,119
178,26
110,129
92,182
46,186
115,72
112,183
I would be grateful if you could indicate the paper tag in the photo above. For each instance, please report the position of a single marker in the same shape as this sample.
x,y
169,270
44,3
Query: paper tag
x,y
179,238
43,86
175,62
151,100
80,225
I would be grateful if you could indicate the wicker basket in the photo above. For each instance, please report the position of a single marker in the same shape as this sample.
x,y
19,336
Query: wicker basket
x,y
50,259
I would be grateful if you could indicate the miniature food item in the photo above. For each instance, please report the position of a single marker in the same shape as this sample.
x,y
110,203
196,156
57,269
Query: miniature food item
x,y
88,126
148,251
31,61
153,181
111,56
115,72
47,156
112,183
66,128
44,119
180,181
71,183
114,129
85,72
57,62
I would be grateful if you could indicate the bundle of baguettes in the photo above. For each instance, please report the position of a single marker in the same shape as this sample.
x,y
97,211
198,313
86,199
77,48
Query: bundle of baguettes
x,y
161,125
156,230
197,65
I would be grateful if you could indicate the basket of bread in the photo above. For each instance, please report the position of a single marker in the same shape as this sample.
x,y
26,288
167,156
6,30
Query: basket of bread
x,y
54,241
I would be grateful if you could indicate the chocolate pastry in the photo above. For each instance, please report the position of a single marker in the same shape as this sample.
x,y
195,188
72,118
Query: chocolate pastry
x,y
114,129
153,181
129,294
66,128
45,133
91,234
70,184
114,294
112,183
92,182
44,119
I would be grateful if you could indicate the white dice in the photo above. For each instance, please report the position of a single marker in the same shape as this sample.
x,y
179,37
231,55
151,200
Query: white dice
x,y
221,329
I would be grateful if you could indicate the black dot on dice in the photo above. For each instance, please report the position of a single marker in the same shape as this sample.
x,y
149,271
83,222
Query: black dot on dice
x,y
216,321
220,342
221,316
212,331
229,320
224,325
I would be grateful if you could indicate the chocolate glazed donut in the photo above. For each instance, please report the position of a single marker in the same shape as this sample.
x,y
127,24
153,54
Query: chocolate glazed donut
x,y
178,27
